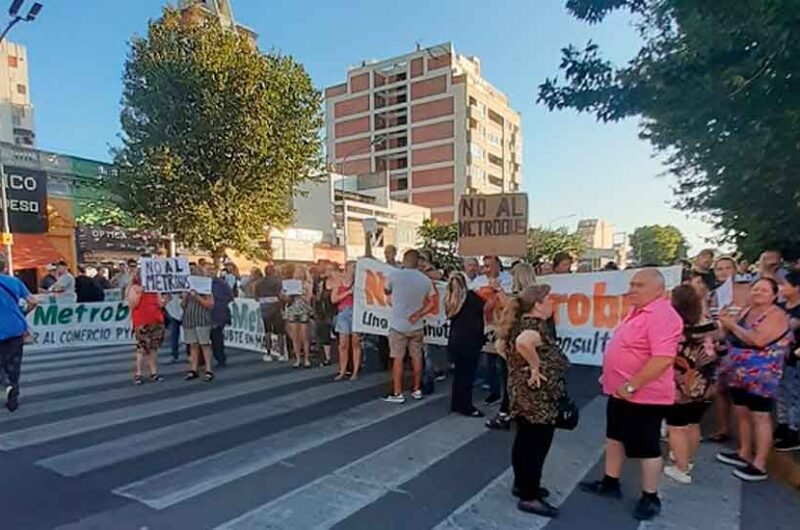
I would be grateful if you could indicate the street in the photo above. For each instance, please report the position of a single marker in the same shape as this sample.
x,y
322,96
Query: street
x,y
267,446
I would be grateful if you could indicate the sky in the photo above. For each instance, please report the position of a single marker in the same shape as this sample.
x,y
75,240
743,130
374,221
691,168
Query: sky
x,y
573,166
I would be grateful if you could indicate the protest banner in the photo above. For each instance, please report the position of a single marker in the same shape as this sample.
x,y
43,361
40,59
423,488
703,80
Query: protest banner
x,y
493,225
59,326
292,287
199,284
587,308
164,275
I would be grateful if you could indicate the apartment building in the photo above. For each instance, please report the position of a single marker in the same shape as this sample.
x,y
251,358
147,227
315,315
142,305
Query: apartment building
x,y
427,124
221,10
16,110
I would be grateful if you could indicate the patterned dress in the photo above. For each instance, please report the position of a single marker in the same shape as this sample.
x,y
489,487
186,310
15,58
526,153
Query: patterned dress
x,y
756,370
536,405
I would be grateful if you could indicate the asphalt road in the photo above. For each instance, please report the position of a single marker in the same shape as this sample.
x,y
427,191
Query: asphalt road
x,y
266,446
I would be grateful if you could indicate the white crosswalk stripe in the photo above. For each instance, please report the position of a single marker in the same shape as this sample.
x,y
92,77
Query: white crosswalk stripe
x,y
411,444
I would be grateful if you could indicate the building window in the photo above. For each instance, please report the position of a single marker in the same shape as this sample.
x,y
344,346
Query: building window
x,y
496,181
22,89
12,61
477,151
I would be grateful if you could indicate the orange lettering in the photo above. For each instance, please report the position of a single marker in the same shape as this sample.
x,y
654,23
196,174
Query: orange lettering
x,y
606,307
557,300
579,309
375,289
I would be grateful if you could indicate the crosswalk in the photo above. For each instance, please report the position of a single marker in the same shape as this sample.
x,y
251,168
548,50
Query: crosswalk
x,y
267,446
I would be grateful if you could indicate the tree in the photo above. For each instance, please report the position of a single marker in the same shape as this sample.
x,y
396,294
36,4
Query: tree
x,y
658,245
442,241
216,136
717,88
545,243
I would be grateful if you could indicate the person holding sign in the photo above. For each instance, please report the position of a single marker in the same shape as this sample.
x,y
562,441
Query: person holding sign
x,y
147,316
298,315
197,324
342,296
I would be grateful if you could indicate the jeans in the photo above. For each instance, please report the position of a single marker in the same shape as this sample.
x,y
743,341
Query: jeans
x,y
218,345
531,445
788,399
10,361
174,330
465,357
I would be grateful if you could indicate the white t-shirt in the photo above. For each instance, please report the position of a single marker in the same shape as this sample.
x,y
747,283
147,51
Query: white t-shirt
x,y
409,287
66,282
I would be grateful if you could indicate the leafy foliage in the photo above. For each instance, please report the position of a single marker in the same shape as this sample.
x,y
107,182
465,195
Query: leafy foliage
x,y
216,136
442,241
658,245
718,92
545,243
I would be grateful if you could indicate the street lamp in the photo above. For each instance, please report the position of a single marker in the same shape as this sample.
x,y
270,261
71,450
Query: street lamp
x,y
13,12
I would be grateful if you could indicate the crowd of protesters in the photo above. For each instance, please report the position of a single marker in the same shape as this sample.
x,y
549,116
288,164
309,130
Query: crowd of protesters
x,y
727,336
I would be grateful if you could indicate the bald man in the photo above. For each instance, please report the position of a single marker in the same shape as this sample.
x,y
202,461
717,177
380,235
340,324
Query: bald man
x,y
639,380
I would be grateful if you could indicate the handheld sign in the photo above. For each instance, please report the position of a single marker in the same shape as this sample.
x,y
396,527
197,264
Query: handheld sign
x,y
164,275
199,284
493,225
292,287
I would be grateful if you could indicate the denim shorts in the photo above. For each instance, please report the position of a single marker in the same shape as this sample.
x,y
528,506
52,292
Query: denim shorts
x,y
344,321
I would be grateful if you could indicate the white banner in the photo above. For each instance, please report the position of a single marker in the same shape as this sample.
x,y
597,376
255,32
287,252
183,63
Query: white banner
x,y
588,306
61,326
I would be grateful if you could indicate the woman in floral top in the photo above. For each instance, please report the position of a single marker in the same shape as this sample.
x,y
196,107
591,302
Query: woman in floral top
x,y
536,370
695,381
757,346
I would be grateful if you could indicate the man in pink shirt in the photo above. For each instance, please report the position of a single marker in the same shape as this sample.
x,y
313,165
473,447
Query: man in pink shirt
x,y
639,380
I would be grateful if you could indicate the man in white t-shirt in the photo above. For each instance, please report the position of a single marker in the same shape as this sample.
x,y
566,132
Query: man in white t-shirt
x,y
413,295
64,288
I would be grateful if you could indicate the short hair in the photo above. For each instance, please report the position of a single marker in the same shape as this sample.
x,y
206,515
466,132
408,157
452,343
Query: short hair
x,y
687,304
706,252
561,256
772,283
62,263
726,258
793,278
81,269
471,260
655,273
496,260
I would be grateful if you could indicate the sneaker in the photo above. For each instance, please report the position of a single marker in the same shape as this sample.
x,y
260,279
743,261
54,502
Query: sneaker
x,y
267,358
790,442
602,488
501,422
491,399
647,508
750,474
440,377
416,394
156,378
677,475
138,380
395,398
733,459
12,398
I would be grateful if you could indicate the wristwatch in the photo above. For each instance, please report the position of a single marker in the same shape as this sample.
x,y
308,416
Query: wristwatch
x,y
629,388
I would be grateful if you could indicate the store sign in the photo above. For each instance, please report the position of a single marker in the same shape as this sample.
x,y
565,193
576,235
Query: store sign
x,y
26,192
114,239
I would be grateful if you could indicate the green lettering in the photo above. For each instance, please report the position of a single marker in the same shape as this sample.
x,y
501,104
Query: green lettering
x,y
79,311
45,315
65,315
123,311
106,314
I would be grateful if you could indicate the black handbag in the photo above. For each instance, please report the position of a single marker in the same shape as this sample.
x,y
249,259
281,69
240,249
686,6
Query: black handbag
x,y
568,415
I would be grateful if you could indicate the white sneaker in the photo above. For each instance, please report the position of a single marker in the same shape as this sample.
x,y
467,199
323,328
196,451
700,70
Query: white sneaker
x,y
677,475
267,358
395,398
416,394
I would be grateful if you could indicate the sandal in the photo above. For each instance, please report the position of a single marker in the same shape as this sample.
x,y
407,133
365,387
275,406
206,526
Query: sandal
x,y
208,377
307,364
296,365
191,375
156,378
138,380
339,377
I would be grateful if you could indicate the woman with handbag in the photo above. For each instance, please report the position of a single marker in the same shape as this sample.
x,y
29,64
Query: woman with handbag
x,y
536,371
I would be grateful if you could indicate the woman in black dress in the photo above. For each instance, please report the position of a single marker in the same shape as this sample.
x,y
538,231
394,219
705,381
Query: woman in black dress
x,y
465,310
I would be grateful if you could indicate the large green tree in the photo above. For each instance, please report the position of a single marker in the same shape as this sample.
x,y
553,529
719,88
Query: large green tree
x,y
658,245
545,243
441,240
216,135
717,88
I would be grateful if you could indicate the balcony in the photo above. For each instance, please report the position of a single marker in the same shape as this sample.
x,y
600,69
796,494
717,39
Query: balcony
x,y
387,120
496,160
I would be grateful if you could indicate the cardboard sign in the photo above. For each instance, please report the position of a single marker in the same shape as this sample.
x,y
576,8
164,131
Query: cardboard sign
x,y
292,287
493,225
200,284
164,275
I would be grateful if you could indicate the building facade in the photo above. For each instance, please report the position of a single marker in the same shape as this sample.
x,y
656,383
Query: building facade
x,y
219,10
602,243
428,125
16,110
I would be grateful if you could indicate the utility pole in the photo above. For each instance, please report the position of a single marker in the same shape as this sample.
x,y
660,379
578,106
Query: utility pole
x,y
13,12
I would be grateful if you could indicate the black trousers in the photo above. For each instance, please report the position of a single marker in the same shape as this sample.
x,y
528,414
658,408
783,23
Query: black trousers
x,y
531,446
218,345
10,361
465,357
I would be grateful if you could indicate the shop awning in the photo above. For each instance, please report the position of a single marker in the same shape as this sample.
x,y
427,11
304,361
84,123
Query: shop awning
x,y
33,250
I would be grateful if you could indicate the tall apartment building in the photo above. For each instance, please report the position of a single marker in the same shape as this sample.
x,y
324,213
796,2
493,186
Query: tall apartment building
x,y
596,233
429,124
217,9
16,111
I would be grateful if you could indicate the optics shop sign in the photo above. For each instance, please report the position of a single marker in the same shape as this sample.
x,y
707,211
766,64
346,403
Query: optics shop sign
x,y
26,191
493,225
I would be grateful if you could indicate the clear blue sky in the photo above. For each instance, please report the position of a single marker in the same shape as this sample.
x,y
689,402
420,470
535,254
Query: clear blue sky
x,y
572,165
